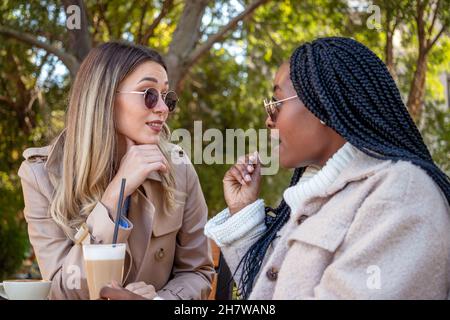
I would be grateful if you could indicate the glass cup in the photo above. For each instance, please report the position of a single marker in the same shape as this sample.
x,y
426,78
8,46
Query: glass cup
x,y
103,264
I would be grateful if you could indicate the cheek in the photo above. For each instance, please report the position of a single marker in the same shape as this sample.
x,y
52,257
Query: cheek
x,y
128,118
131,121
298,135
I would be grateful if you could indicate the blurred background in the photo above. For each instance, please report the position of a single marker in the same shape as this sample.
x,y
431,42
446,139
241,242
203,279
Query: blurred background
x,y
222,56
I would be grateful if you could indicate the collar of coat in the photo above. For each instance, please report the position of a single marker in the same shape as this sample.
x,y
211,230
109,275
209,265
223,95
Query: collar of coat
x,y
359,168
327,228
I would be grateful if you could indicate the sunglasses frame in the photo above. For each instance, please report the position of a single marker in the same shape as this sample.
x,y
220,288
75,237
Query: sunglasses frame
x,y
271,106
163,96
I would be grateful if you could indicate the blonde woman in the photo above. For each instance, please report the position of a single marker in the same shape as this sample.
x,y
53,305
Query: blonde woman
x,y
115,128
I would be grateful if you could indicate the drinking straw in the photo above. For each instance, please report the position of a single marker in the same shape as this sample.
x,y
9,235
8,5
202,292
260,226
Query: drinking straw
x,y
119,211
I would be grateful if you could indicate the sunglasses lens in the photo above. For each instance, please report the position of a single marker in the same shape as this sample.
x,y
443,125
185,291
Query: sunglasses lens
x,y
273,113
171,100
151,98
271,110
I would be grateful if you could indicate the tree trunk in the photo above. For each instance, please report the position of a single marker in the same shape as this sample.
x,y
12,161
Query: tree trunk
x,y
390,26
184,40
185,50
417,90
389,52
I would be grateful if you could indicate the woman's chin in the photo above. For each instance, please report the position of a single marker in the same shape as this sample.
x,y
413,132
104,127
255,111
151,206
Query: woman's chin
x,y
283,157
286,164
284,161
154,139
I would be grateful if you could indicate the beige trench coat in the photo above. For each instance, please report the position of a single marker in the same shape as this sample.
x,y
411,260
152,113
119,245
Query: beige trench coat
x,y
380,231
168,251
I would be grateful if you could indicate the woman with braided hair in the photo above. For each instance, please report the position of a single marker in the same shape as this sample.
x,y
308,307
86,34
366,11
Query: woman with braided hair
x,y
366,215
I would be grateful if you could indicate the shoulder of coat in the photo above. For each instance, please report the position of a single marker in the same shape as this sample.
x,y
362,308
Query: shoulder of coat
x,y
36,154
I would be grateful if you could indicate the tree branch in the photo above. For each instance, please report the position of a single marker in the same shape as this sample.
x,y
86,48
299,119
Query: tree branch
x,y
436,10
68,59
141,23
167,5
436,38
203,48
101,9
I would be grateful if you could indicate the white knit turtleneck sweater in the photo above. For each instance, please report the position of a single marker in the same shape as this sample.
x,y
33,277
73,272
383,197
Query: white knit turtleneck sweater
x,y
246,225
318,179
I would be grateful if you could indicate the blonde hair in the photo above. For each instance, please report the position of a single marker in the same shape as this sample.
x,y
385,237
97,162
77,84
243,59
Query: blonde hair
x,y
90,156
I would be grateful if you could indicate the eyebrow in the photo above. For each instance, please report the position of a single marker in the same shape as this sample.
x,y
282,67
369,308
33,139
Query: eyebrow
x,y
151,79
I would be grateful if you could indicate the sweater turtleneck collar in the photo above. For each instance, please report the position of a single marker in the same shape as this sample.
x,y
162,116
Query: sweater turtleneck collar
x,y
315,179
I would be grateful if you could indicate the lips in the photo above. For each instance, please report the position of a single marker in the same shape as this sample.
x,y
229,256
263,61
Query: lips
x,y
155,125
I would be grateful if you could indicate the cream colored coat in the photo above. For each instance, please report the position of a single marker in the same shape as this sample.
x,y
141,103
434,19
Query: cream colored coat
x,y
168,251
380,231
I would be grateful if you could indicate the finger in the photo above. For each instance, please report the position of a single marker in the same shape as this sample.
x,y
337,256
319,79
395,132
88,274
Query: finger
x,y
135,285
257,173
248,160
244,173
242,159
156,166
236,175
145,290
155,153
154,158
115,294
149,296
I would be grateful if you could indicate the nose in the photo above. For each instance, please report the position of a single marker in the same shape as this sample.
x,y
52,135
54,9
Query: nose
x,y
161,106
269,123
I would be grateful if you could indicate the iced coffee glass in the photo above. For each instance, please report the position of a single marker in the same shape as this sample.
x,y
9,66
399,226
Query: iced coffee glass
x,y
103,264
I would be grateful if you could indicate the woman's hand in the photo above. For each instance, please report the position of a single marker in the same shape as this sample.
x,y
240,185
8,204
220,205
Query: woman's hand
x,y
141,288
241,183
116,292
137,163
133,291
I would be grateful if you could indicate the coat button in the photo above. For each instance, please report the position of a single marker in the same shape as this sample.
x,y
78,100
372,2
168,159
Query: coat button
x,y
272,274
302,218
159,254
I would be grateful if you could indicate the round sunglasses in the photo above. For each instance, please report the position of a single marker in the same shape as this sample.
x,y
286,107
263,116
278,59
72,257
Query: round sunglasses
x,y
151,97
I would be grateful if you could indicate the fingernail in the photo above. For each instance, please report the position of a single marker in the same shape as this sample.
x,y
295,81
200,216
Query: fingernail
x,y
250,168
248,178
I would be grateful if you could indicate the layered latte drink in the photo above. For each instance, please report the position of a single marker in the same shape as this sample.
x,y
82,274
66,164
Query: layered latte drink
x,y
103,263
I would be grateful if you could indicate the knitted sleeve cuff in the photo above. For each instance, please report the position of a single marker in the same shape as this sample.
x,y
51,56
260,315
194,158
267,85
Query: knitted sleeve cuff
x,y
225,228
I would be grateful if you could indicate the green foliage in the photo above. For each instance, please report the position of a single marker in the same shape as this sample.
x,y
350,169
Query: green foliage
x,y
13,238
436,133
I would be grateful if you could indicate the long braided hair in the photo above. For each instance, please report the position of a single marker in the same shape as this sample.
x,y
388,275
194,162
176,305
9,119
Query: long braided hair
x,y
349,88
